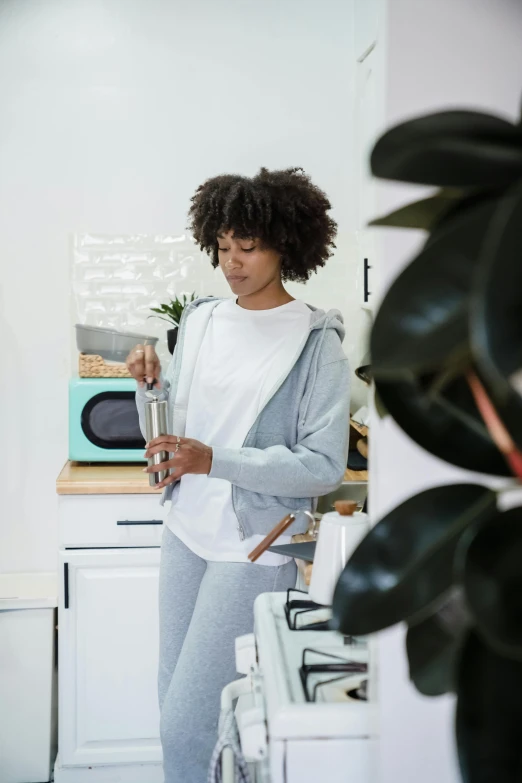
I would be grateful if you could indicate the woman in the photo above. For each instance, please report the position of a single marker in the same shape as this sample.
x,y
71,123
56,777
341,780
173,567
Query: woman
x,y
258,393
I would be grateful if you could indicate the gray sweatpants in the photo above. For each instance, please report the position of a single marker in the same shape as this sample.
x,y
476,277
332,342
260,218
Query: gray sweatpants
x,y
204,605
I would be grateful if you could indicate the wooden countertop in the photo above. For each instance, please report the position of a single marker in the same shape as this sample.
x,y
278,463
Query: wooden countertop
x,y
355,475
104,479
117,479
360,428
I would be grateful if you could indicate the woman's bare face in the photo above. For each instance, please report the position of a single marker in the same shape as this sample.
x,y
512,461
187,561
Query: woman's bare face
x,y
248,266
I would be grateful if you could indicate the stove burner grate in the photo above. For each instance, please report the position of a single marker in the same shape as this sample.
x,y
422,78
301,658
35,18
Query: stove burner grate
x,y
337,665
297,608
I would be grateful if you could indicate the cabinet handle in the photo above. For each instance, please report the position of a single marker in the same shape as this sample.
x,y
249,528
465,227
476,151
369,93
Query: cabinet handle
x,y
66,585
140,522
367,293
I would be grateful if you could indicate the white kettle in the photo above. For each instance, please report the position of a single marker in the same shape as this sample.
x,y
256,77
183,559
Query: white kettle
x,y
340,533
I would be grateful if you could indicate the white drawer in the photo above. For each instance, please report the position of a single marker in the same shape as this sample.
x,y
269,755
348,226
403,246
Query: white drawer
x,y
110,520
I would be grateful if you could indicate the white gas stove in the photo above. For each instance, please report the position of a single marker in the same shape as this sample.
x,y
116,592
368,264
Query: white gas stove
x,y
303,715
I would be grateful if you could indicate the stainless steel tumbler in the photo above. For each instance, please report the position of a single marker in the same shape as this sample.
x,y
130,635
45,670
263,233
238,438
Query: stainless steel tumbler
x,y
155,425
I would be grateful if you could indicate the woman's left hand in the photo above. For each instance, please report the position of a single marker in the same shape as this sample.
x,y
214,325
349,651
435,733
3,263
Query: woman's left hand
x,y
187,456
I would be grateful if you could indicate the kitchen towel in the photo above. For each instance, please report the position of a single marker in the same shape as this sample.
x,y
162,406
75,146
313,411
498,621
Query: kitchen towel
x,y
228,738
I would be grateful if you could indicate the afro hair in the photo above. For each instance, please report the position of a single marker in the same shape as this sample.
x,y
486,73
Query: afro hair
x,y
283,209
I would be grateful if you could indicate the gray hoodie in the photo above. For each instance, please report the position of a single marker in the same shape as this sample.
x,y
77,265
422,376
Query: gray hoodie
x,y
297,448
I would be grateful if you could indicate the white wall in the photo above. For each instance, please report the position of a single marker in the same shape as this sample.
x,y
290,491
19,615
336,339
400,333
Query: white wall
x,y
111,113
441,53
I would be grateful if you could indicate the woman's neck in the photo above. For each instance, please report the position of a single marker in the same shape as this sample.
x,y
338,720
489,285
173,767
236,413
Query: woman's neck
x,y
267,298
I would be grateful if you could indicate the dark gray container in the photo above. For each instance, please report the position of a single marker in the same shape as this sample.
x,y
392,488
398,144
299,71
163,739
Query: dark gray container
x,y
109,343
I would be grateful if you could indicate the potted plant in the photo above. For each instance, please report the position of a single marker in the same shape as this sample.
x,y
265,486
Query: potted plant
x,y
172,312
446,361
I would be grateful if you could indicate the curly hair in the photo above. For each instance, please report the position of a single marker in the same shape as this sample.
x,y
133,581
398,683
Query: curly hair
x,y
283,209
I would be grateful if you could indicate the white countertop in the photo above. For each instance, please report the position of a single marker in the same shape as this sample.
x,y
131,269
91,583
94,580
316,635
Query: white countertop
x,y
28,591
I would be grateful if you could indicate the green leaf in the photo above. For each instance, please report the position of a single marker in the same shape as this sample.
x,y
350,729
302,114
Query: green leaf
x,y
174,309
462,149
490,565
447,424
424,318
364,373
405,563
423,214
167,320
496,305
379,406
489,715
434,645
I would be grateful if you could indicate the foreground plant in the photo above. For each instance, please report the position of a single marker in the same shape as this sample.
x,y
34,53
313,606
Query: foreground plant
x,y
446,357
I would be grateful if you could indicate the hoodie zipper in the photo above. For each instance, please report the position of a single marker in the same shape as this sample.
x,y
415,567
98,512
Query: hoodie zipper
x,y
271,396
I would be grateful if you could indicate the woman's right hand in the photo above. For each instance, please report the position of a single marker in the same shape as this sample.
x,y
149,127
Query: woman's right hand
x,y
144,365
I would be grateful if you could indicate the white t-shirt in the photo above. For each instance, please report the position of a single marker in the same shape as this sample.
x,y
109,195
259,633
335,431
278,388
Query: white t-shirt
x,y
243,356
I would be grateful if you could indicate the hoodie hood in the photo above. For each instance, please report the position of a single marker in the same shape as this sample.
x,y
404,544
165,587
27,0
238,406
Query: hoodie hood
x,y
327,320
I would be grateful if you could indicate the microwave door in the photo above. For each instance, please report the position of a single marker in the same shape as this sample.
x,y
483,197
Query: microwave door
x,y
110,421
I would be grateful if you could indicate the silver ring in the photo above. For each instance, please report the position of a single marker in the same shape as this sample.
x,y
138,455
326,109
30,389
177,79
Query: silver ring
x,y
139,350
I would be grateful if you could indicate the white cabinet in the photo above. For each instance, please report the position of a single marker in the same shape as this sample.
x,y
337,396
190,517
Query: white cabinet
x,y
88,521
108,635
369,83
108,657
365,125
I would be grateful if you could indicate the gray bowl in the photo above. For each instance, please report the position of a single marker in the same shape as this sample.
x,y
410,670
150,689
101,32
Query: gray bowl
x,y
109,343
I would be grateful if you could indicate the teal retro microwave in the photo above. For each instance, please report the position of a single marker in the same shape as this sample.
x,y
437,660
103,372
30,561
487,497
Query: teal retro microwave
x,y
103,421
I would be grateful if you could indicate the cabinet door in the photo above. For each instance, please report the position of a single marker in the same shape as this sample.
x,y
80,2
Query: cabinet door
x,y
366,124
108,657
